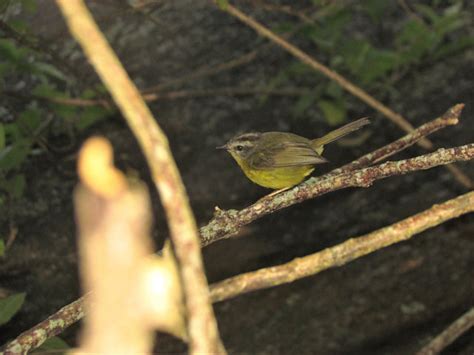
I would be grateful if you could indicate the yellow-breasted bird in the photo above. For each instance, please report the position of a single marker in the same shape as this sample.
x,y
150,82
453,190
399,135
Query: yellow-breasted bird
x,y
280,160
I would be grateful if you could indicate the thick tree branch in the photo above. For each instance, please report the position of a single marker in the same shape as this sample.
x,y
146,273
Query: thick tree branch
x,y
343,253
202,327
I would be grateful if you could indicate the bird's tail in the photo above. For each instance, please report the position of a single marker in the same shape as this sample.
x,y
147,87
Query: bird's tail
x,y
339,132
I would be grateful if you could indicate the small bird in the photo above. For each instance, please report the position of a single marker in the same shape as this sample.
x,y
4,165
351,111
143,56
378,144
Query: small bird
x,y
280,160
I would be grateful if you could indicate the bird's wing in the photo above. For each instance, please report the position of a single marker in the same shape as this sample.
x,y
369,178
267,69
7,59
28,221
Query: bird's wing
x,y
285,154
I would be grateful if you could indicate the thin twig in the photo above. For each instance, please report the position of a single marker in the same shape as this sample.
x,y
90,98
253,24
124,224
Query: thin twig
x,y
225,91
202,327
343,253
343,82
226,224
205,71
450,334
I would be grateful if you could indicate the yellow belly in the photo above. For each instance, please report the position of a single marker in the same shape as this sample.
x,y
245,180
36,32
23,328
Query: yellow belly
x,y
279,178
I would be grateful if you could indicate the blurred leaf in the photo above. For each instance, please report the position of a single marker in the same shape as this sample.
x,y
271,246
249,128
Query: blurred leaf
x,y
12,132
283,27
448,24
10,306
66,112
327,34
29,120
454,47
427,11
47,90
378,63
415,40
376,9
334,112
89,116
15,186
334,90
49,70
88,94
30,5
222,4
5,68
9,51
13,156
303,103
2,248
354,52
2,136
54,343
18,25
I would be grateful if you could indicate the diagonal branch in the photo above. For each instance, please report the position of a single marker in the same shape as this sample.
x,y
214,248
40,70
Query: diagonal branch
x,y
450,334
358,92
225,224
343,253
202,327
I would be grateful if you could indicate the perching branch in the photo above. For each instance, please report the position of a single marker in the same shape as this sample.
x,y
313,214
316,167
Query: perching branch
x,y
202,327
227,223
450,334
450,117
396,118
343,253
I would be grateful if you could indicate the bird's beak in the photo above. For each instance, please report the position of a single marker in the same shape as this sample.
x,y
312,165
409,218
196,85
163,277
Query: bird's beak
x,y
222,147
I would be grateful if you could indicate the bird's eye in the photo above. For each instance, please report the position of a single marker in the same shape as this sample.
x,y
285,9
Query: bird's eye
x,y
239,148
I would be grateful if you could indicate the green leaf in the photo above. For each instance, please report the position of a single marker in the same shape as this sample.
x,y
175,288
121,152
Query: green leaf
x,y
427,11
354,52
14,155
416,40
9,51
2,136
47,90
377,64
15,186
222,4
334,112
327,34
49,70
66,112
454,47
30,5
376,9
89,116
303,104
29,120
54,343
10,306
2,247
18,25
